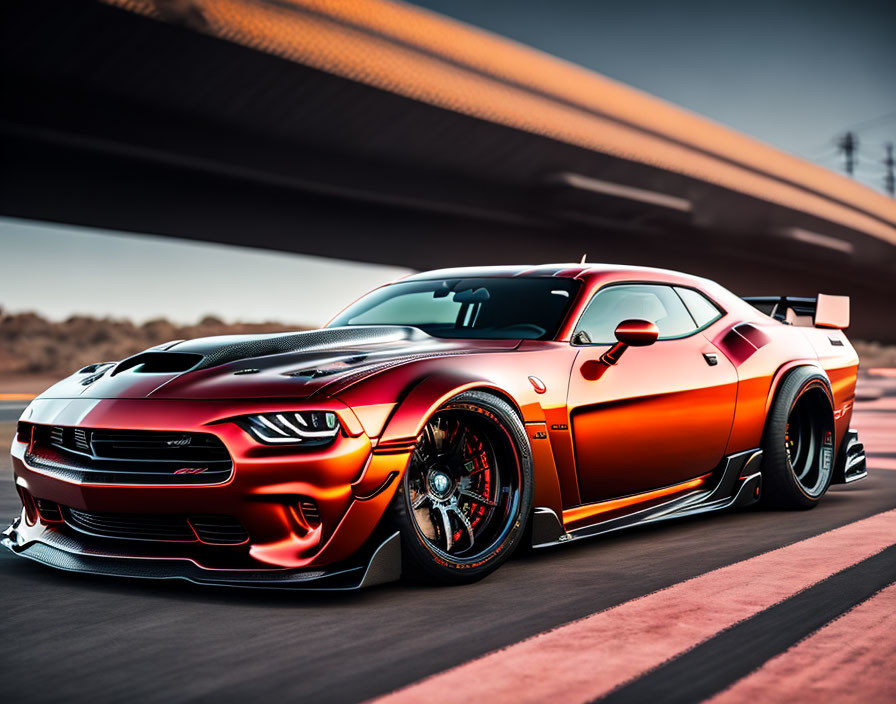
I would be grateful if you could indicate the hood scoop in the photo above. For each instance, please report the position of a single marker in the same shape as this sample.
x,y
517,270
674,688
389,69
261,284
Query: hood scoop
x,y
206,352
158,363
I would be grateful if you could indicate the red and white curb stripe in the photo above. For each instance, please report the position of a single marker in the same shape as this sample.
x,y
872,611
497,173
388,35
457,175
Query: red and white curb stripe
x,y
852,659
588,658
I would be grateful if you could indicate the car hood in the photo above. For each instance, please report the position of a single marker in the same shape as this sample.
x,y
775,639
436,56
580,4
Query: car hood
x,y
285,365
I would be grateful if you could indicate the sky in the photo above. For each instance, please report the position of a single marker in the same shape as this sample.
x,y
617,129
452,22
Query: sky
x,y
794,73
61,270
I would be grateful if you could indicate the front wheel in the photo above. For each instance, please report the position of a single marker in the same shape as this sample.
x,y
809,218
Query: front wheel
x,y
798,445
467,492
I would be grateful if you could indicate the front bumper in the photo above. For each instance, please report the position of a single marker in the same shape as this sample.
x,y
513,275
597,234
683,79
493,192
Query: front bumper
x,y
351,484
378,565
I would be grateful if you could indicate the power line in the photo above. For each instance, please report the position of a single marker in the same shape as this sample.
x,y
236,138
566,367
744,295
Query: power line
x,y
827,158
865,124
820,151
830,153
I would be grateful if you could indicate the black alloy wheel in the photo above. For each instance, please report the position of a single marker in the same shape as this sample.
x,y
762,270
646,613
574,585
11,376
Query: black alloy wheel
x,y
467,491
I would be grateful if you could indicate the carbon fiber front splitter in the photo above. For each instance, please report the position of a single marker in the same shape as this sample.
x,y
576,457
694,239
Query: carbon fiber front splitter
x,y
65,552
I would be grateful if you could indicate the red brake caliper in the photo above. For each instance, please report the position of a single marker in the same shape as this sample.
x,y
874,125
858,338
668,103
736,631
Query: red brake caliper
x,y
477,466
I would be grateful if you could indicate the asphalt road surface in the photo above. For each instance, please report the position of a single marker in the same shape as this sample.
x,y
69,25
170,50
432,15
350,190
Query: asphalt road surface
x,y
74,638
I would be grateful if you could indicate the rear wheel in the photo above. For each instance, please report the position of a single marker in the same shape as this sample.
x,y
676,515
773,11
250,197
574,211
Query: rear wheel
x,y
798,445
463,503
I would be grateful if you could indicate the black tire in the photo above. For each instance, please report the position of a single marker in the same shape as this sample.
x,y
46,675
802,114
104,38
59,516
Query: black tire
x,y
798,443
472,467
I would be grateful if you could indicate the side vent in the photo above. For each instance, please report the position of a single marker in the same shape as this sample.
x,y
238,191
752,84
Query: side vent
x,y
94,368
310,512
23,431
753,335
48,510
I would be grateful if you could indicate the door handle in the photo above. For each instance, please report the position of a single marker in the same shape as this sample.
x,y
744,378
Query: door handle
x,y
712,359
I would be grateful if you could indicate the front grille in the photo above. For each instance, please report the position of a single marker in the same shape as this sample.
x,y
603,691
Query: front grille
x,y
171,447
100,456
140,445
132,526
213,529
219,530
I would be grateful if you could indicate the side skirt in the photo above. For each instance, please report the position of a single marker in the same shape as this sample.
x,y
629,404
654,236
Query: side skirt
x,y
739,484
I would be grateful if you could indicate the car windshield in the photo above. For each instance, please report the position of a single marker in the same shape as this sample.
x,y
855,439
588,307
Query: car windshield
x,y
488,308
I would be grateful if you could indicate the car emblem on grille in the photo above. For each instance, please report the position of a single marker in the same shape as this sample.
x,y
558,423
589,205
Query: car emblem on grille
x,y
191,470
180,442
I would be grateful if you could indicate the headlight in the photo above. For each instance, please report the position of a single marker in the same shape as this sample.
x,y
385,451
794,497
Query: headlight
x,y
292,428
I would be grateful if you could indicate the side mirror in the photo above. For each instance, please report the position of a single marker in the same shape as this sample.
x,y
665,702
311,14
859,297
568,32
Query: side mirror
x,y
631,333
637,333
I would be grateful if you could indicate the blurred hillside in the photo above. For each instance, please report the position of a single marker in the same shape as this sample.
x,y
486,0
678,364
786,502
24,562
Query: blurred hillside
x,y
32,345
875,355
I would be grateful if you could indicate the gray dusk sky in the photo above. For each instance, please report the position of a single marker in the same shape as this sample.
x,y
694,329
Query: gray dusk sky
x,y
61,270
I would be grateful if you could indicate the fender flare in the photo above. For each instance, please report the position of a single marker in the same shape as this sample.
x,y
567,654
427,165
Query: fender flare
x,y
785,370
424,398
392,451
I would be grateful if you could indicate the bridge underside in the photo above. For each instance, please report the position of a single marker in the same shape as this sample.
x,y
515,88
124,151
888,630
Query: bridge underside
x,y
114,120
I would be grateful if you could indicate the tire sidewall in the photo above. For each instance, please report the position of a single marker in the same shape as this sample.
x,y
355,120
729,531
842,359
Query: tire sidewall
x,y
782,488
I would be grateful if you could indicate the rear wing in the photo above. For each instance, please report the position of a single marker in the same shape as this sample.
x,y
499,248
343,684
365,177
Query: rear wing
x,y
823,311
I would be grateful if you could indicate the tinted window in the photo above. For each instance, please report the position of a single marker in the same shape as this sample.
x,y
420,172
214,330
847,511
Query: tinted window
x,y
658,304
703,310
414,308
494,308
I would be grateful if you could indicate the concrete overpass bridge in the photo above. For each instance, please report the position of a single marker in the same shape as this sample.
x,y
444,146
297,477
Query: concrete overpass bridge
x,y
384,133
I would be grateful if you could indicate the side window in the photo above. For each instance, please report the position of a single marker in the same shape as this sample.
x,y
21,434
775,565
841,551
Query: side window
x,y
703,310
656,303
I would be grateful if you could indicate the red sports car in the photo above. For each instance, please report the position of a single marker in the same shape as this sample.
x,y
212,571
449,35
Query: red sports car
x,y
435,425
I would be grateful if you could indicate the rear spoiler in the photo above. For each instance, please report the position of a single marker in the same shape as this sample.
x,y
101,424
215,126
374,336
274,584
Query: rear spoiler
x,y
823,311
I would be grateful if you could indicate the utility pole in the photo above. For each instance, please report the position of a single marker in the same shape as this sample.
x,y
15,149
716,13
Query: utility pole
x,y
888,179
848,144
